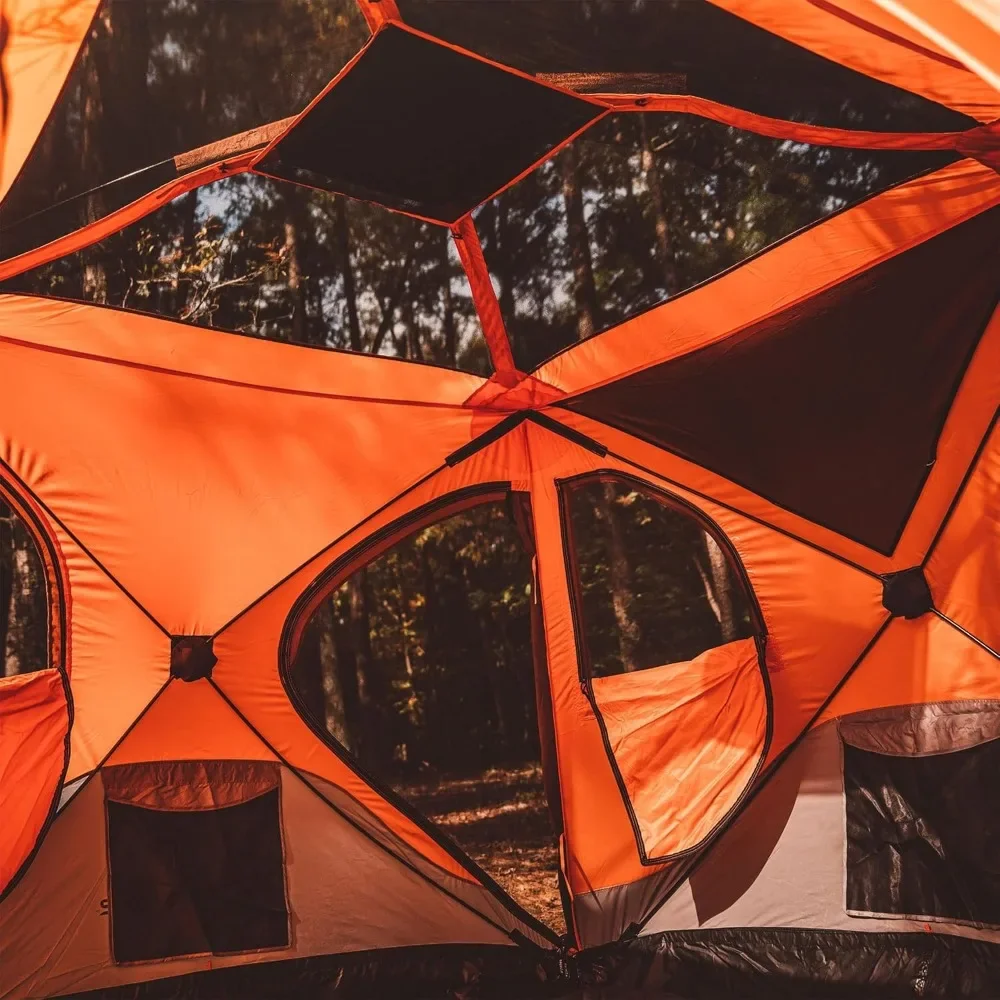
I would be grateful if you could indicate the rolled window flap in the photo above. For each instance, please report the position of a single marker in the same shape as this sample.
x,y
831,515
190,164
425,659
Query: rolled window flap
x,y
189,785
922,730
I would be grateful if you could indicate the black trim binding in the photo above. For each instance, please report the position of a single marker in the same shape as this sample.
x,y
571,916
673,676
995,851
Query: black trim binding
x,y
508,424
583,656
335,573
57,594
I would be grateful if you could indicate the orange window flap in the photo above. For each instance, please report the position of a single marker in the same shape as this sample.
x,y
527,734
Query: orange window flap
x,y
34,721
687,739
189,785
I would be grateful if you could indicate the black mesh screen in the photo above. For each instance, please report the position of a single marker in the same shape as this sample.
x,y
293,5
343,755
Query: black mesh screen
x,y
653,587
24,622
155,79
923,833
831,408
186,883
417,126
644,206
676,46
420,666
261,257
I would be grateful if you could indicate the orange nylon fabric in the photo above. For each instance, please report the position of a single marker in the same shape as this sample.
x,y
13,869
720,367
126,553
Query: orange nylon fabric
x,y
914,662
964,569
34,721
819,614
817,258
189,721
39,40
861,35
193,464
969,30
687,739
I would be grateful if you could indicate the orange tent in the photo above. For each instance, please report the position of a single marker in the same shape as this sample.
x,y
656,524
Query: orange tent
x,y
811,801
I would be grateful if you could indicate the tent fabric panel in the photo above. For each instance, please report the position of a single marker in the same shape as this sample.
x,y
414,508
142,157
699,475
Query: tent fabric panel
x,y
34,726
111,644
146,342
241,457
918,730
964,568
345,894
968,31
814,260
861,35
782,863
913,662
189,721
687,739
850,388
43,38
819,614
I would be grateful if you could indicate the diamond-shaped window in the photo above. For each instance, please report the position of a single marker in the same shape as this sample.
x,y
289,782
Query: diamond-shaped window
x,y
423,128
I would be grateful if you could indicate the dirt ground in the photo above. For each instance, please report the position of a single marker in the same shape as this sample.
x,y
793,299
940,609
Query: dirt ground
x,y
501,820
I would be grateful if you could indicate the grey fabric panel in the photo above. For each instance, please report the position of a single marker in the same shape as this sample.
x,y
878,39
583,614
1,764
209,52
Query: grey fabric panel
x,y
346,894
605,914
70,789
782,863
918,730
474,895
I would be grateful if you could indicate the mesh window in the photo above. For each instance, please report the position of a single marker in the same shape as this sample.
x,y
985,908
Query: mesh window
x,y
675,46
653,587
420,666
157,78
923,834
209,881
646,205
260,257
24,621
419,127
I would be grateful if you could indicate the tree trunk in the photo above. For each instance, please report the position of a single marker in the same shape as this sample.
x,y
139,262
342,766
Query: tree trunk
x,y
26,627
622,594
343,238
95,280
718,589
371,694
584,288
450,330
6,579
296,291
654,184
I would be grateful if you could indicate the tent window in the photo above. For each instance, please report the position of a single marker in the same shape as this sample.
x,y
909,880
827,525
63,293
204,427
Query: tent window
x,y
196,881
419,665
922,834
676,46
156,79
24,615
644,206
268,259
652,585
438,148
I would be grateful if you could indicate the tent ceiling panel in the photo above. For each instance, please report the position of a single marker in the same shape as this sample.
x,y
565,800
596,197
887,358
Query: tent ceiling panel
x,y
864,36
468,129
154,80
277,261
671,46
189,470
643,206
834,407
